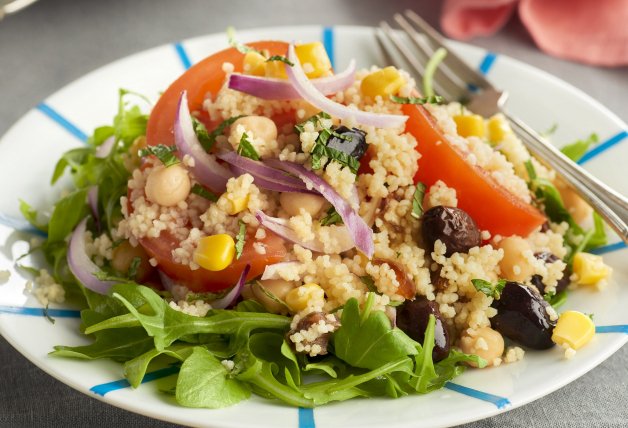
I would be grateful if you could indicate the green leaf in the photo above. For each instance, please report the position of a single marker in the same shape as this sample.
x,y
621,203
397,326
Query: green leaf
x,y
242,48
129,123
556,300
30,215
246,149
208,140
321,151
162,152
434,99
367,340
417,200
316,120
205,382
370,283
576,150
240,239
331,217
598,238
135,369
67,213
281,59
201,191
491,290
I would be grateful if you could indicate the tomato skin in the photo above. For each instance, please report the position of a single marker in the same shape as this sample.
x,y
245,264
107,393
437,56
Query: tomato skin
x,y
492,206
205,77
202,280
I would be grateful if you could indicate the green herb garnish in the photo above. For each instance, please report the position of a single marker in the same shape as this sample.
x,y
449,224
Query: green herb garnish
x,y
47,315
417,200
491,290
320,151
316,120
369,282
199,190
332,217
135,264
556,300
246,149
282,59
162,152
240,239
208,139
576,150
433,99
242,48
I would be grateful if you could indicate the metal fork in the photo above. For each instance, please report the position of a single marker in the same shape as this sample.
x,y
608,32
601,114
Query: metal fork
x,y
455,80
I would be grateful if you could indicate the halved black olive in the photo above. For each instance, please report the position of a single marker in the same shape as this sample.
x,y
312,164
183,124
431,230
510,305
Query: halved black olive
x,y
412,319
453,227
537,281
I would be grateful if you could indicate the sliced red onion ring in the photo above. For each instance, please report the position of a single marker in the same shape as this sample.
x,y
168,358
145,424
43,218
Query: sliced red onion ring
x,y
80,264
361,233
270,271
279,89
265,176
206,170
230,298
308,92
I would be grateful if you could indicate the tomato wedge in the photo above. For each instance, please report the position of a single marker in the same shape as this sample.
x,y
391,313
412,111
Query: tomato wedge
x,y
491,205
204,78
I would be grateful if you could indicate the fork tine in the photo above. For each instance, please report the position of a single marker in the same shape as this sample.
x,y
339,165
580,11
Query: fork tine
x,y
458,66
408,56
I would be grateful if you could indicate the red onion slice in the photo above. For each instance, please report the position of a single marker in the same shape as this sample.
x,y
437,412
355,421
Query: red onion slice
x,y
230,298
308,92
361,233
206,170
279,89
270,271
80,264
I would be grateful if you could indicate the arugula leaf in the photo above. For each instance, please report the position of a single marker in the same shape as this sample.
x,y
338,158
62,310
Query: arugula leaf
x,y
205,382
246,149
576,150
281,59
129,123
433,99
598,238
489,289
366,339
332,217
240,239
30,215
417,200
135,369
199,190
164,153
67,213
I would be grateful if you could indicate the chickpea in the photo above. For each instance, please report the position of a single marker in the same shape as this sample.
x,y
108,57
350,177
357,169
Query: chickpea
x,y
278,288
261,127
484,342
577,207
514,266
293,202
123,256
168,186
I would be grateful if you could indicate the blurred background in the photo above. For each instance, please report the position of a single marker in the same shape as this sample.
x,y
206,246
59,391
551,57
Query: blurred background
x,y
53,42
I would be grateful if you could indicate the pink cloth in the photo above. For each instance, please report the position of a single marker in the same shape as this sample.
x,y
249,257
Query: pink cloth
x,y
590,31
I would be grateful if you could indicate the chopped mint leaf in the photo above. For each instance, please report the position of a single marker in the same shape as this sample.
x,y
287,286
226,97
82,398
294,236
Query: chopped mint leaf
x,y
162,152
240,239
576,150
242,48
282,59
550,131
135,264
433,99
489,289
52,320
369,282
199,190
208,139
246,149
314,119
417,200
320,151
332,217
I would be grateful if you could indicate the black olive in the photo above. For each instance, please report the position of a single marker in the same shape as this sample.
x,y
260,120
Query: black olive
x,y
453,226
353,141
412,319
522,316
537,280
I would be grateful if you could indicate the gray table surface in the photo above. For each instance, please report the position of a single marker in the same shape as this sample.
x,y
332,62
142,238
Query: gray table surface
x,y
56,41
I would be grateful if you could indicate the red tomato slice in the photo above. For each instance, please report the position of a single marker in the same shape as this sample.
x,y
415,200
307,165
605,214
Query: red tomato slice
x,y
204,78
492,206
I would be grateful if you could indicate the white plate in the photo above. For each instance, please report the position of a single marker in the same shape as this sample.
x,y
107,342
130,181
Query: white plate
x,y
38,139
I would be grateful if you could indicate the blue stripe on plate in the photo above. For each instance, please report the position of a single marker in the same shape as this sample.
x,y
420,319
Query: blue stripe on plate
x,y
306,418
105,388
601,148
608,248
20,225
328,42
183,55
498,401
65,123
487,62
612,329
40,312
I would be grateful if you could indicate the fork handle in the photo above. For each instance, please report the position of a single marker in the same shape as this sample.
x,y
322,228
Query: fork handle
x,y
612,206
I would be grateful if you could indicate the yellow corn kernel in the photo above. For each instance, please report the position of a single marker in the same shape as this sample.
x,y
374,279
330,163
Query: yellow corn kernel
x,y
215,252
470,125
314,59
384,82
590,268
497,129
254,64
276,69
306,295
574,329
237,205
